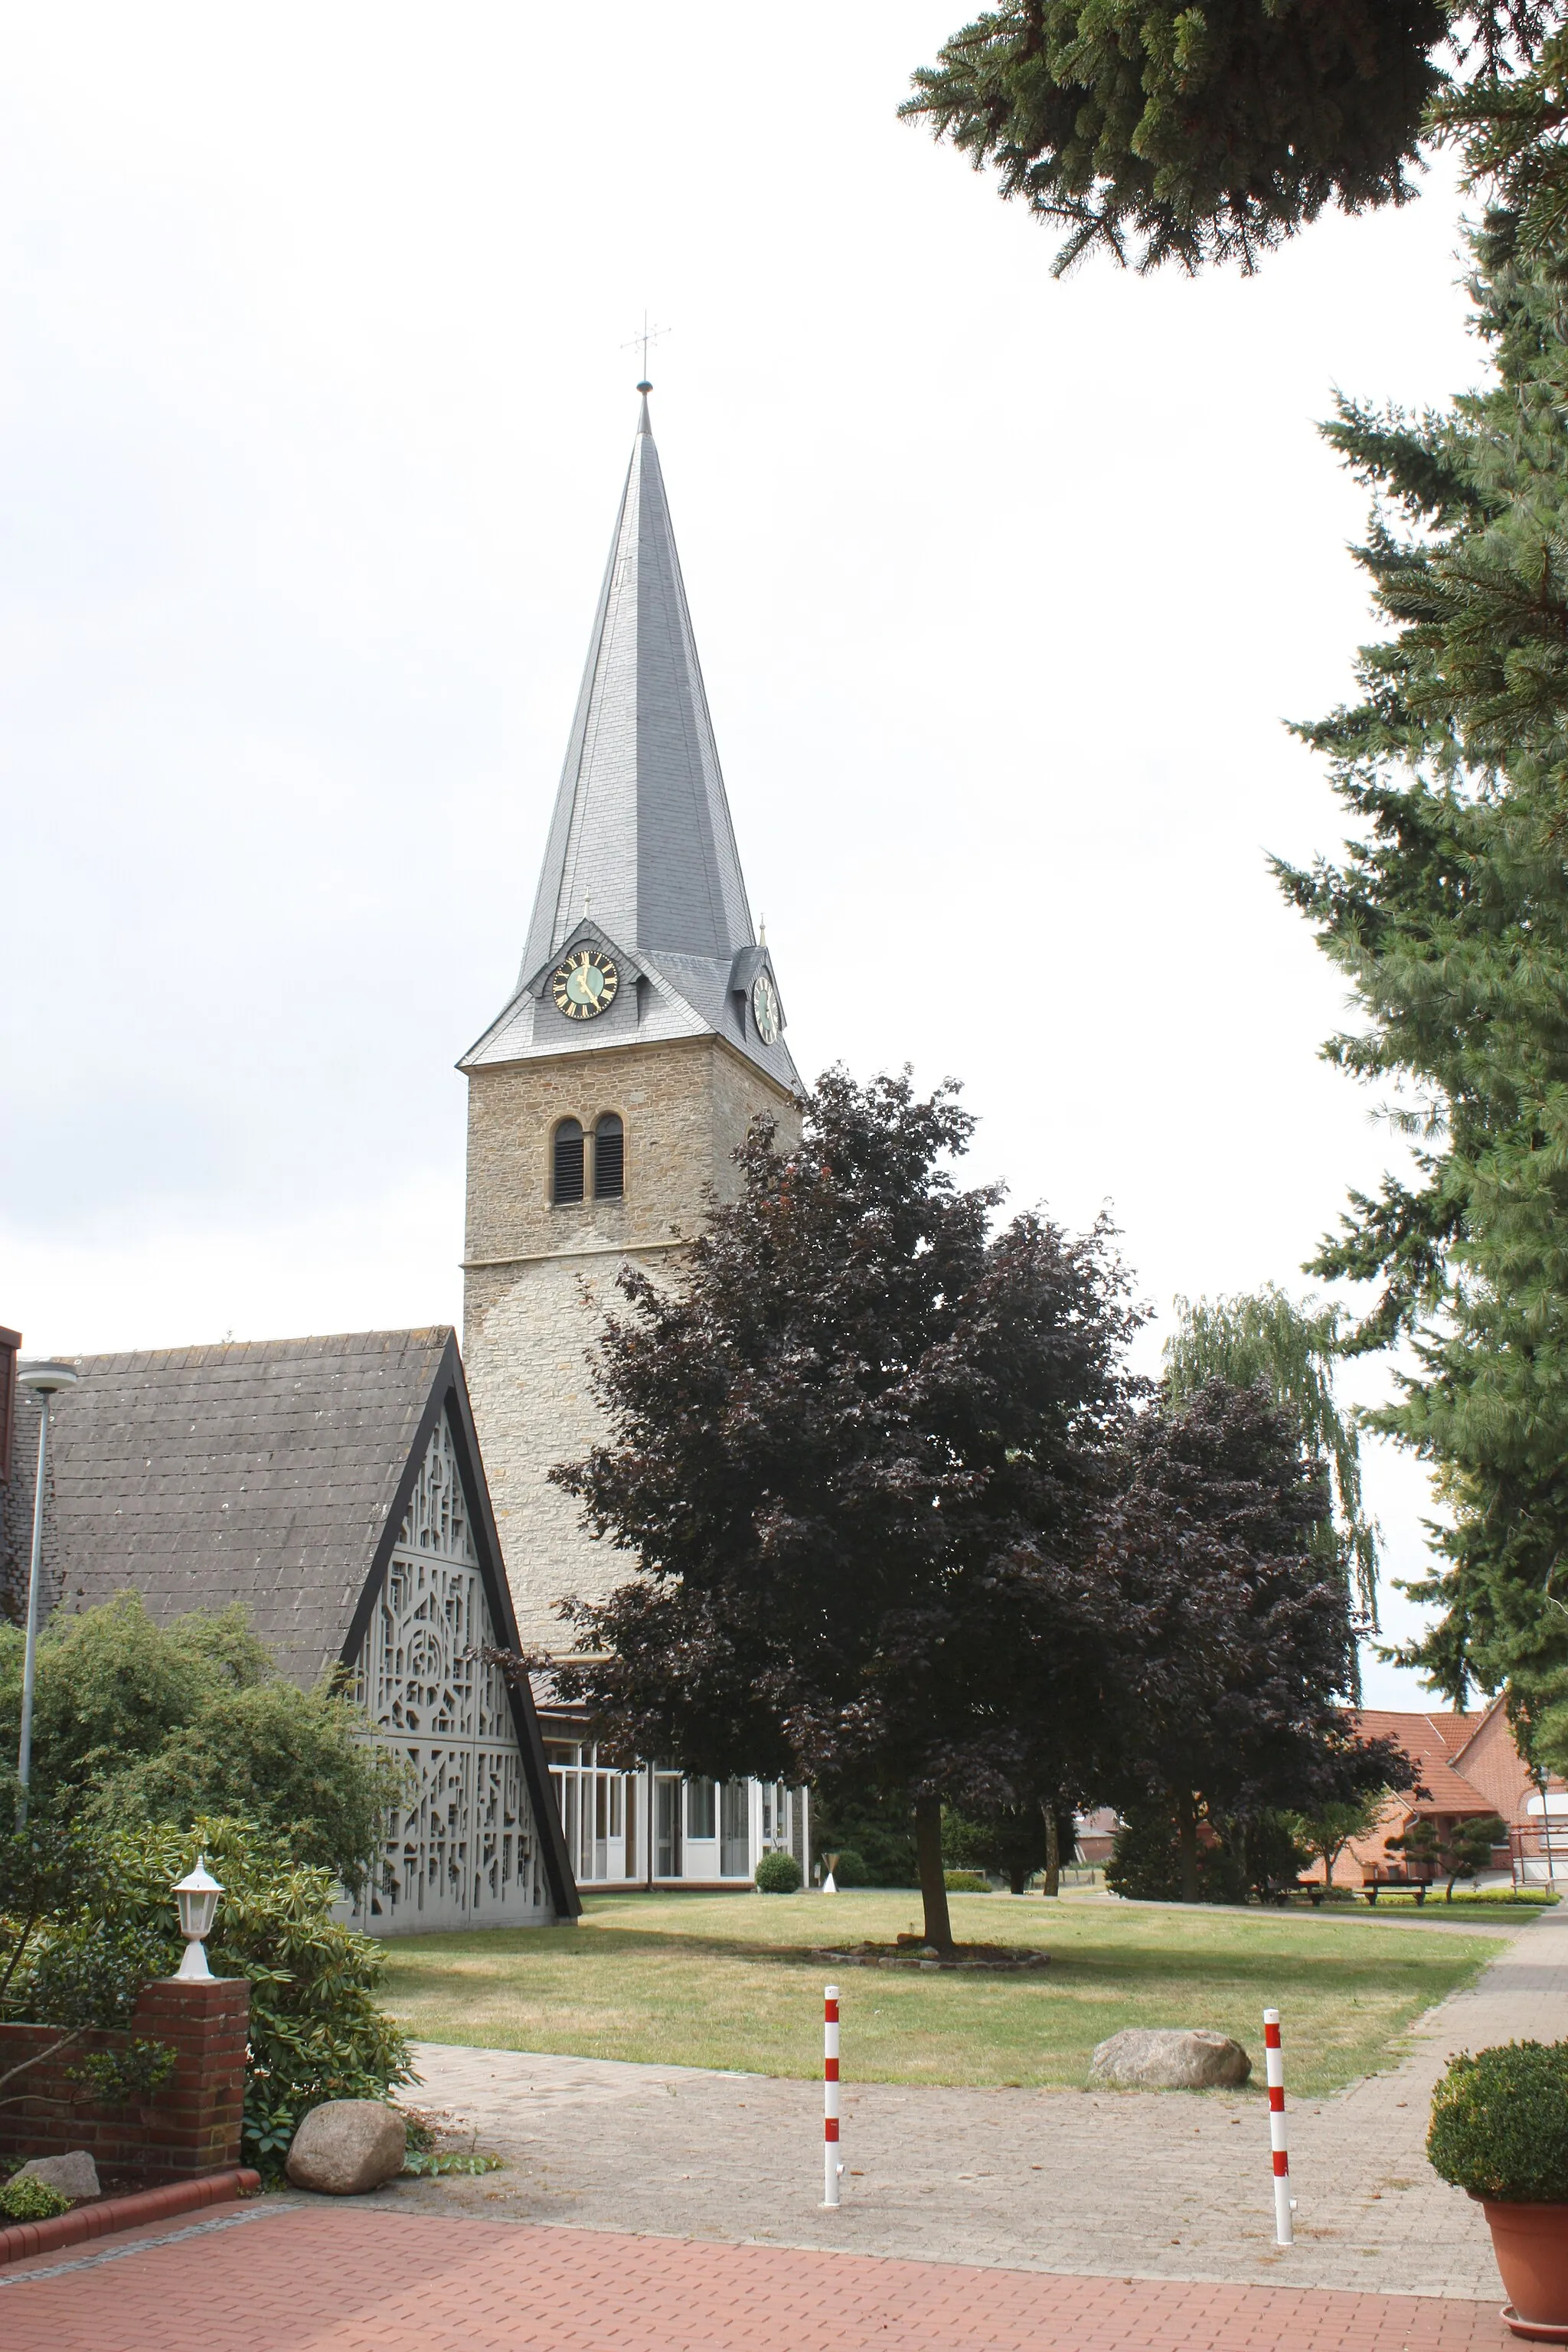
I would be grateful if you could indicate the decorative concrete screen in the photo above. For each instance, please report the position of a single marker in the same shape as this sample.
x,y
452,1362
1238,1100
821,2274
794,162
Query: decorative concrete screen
x,y
463,1850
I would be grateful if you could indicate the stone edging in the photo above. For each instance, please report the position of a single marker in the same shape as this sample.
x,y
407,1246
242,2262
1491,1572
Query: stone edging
x,y
853,1959
19,2240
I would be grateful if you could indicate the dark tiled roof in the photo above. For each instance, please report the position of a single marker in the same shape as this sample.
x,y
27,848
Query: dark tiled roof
x,y
261,1472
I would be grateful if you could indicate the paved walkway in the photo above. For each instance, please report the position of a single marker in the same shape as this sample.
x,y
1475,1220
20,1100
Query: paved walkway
x,y
322,2278
686,2220
1131,2185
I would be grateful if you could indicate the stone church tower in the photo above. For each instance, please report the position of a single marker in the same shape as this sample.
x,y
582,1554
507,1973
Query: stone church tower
x,y
645,1034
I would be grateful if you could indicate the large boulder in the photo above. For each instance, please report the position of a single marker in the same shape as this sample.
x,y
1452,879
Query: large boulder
x,y
1167,2058
75,2176
346,2146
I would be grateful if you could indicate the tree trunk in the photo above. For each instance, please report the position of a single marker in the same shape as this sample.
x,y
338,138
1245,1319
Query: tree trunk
x,y
1053,1878
1187,1832
934,1887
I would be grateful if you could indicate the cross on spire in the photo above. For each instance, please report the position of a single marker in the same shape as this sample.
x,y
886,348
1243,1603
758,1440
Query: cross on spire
x,y
646,336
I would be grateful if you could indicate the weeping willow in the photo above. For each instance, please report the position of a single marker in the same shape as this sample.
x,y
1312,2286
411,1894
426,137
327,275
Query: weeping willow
x,y
1262,1335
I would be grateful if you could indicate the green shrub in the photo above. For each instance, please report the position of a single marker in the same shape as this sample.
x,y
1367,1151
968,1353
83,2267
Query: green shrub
x,y
32,2200
778,1873
850,1870
76,1949
1260,1857
135,1721
882,1830
965,1882
316,2031
1500,2123
86,1919
1146,1863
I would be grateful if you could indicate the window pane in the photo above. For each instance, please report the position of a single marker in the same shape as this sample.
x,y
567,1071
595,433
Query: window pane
x,y
609,1158
568,1179
667,1828
701,1800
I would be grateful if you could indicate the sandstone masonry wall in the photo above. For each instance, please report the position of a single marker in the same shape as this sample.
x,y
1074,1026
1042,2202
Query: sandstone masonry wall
x,y
537,1277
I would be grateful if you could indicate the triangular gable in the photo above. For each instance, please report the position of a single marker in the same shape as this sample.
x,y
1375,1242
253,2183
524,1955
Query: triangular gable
x,y
447,1416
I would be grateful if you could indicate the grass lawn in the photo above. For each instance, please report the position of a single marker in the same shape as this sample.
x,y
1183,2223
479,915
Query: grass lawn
x,y
729,1980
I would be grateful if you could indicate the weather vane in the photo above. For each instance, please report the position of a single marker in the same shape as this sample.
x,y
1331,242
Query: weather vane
x,y
647,335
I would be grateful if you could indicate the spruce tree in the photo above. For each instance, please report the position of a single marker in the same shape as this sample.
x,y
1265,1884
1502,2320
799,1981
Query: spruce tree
x,y
1212,132
1448,914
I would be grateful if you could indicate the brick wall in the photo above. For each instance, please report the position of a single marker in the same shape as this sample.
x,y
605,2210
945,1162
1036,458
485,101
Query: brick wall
x,y
191,2123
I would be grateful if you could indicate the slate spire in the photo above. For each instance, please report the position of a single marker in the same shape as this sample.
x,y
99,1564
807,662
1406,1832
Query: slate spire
x,y
641,832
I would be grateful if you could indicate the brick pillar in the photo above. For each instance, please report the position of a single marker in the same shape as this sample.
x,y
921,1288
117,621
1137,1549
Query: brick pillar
x,y
192,2123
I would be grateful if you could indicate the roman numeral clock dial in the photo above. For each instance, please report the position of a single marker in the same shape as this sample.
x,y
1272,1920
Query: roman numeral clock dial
x,y
584,984
766,1009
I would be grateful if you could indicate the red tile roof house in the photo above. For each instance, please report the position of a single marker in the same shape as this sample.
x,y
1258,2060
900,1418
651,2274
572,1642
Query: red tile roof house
x,y
1467,1766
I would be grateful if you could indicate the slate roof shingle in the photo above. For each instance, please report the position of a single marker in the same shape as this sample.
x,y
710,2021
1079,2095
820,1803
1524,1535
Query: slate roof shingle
x,y
641,833
260,1472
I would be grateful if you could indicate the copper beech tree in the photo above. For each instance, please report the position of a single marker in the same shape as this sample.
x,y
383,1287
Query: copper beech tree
x,y
858,1450
1230,1635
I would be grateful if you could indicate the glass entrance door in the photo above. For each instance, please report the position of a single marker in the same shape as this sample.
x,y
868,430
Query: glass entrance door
x,y
734,1841
667,1825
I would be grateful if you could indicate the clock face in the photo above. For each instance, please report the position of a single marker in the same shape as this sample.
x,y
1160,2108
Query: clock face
x,y
766,1009
585,983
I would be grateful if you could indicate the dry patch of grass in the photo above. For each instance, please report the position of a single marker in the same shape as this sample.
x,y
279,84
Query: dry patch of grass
x,y
730,1981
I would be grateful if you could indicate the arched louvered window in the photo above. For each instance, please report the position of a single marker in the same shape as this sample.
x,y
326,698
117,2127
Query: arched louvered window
x,y
609,1158
566,1183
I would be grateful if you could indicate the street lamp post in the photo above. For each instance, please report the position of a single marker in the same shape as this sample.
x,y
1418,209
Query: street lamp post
x,y
45,1379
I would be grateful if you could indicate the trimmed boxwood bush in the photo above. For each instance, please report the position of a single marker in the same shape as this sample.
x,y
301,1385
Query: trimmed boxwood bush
x,y
850,1870
778,1873
31,2200
1500,2123
966,1881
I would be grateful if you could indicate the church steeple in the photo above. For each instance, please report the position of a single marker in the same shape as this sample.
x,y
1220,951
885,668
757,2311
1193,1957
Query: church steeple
x,y
608,1101
641,851
642,828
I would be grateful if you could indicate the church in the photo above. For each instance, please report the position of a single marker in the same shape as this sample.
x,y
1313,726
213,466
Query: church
x,y
644,1035
381,1505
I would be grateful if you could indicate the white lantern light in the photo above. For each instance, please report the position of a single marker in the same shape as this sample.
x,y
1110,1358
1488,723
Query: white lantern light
x,y
198,1897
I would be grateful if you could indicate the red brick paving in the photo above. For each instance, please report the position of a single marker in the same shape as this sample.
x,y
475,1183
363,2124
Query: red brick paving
x,y
320,2279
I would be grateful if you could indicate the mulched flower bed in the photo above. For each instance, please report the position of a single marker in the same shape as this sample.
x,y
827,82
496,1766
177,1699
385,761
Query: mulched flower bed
x,y
912,1952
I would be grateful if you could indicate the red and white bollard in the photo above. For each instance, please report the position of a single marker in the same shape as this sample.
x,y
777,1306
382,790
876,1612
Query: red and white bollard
x,y
832,2170
1274,2060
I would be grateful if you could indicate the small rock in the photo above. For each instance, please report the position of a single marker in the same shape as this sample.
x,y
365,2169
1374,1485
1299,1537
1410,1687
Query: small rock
x,y
1165,2058
346,2146
75,2176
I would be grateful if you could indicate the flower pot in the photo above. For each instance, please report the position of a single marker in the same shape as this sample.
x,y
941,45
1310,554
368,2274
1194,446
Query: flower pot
x,y
1530,2242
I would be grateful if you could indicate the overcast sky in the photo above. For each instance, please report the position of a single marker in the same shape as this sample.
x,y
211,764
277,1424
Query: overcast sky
x,y
315,402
